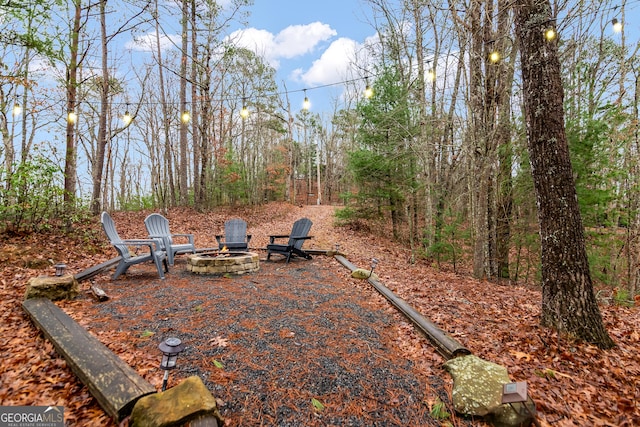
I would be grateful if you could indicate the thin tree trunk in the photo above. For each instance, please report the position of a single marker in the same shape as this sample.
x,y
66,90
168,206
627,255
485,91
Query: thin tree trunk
x,y
195,117
166,122
72,89
182,172
504,197
98,165
480,183
568,300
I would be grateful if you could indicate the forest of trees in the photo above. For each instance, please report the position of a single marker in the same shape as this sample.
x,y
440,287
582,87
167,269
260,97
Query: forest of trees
x,y
451,148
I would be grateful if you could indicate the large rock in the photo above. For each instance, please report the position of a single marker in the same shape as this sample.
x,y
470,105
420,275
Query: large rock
x,y
477,385
53,288
477,391
175,407
361,273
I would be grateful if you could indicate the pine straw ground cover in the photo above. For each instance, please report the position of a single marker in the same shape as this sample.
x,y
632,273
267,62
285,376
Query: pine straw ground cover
x,y
267,344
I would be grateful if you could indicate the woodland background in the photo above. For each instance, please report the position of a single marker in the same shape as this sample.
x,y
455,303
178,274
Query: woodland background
x,y
439,149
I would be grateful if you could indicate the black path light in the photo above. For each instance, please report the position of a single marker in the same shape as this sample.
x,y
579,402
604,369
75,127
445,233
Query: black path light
x,y
170,349
60,269
374,262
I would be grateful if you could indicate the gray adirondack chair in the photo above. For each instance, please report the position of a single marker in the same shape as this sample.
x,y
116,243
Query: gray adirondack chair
x,y
158,228
235,235
293,248
155,254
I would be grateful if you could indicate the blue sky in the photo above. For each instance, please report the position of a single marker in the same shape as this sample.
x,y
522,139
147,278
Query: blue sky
x,y
313,45
310,43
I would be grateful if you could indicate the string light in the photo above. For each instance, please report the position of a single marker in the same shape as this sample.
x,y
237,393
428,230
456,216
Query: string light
x,y
185,117
431,75
617,25
244,113
368,92
494,57
306,104
127,119
17,109
550,34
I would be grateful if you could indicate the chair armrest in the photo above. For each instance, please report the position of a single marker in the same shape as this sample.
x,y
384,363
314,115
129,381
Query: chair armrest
x,y
153,244
188,236
248,238
219,238
301,237
277,236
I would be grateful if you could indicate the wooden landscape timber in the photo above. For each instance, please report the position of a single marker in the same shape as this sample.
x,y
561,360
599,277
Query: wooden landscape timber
x,y
114,384
444,344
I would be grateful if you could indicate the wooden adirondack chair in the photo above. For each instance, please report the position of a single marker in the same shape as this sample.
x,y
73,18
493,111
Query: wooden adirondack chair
x,y
158,228
235,235
299,233
155,254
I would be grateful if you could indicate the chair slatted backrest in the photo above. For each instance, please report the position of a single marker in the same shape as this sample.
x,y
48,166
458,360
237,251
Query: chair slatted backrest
x,y
300,228
109,228
158,225
235,231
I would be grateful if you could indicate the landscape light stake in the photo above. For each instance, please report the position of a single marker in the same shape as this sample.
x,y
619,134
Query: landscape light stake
x,y
374,262
517,393
60,269
170,349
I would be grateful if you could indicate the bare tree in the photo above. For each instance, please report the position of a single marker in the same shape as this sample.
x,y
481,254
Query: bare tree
x,y
71,158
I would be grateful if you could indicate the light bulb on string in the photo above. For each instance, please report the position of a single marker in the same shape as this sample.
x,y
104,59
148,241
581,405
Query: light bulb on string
x,y
72,117
306,104
17,109
550,34
617,25
368,92
127,119
431,75
185,117
244,113
494,57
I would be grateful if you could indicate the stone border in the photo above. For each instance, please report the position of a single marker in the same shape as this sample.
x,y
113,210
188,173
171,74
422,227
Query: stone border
x,y
220,263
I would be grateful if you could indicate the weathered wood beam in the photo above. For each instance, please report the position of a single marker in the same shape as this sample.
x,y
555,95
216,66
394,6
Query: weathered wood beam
x,y
114,384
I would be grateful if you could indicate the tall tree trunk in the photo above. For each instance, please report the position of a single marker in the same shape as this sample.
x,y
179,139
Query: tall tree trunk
x,y
504,196
195,117
480,160
166,186
98,165
72,89
428,147
568,300
182,172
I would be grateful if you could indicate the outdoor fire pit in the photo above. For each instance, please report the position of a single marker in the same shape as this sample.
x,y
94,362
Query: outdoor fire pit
x,y
223,262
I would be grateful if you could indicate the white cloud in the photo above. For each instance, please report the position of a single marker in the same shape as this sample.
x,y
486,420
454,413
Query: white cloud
x,y
344,59
298,40
147,42
333,65
293,41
